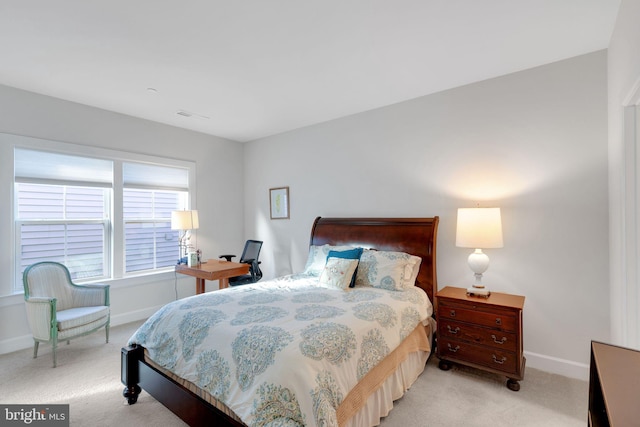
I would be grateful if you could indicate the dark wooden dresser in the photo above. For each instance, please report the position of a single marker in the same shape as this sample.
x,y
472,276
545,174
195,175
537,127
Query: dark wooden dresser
x,y
614,386
484,333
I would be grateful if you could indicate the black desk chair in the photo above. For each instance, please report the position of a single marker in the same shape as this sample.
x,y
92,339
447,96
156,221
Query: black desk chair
x,y
249,256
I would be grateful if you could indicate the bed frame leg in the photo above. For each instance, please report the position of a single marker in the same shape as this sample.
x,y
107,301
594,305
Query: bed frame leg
x,y
131,394
130,374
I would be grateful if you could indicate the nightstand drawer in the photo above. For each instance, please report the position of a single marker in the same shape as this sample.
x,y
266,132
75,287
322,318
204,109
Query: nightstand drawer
x,y
495,359
477,335
501,319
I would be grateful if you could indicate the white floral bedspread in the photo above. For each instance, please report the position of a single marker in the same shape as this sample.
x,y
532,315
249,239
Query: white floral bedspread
x,y
283,352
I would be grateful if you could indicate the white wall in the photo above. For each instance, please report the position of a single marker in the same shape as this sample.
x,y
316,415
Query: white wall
x,y
533,143
219,180
624,78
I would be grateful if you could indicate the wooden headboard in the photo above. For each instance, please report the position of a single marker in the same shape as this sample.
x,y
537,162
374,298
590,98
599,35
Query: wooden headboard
x,y
415,236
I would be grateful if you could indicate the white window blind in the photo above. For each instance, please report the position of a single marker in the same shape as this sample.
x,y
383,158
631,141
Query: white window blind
x,y
141,175
43,166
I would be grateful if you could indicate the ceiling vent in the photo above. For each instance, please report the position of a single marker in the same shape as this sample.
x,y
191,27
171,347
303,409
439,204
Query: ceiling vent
x,y
189,114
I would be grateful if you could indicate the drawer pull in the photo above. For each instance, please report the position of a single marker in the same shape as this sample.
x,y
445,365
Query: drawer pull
x,y
455,349
498,321
501,361
501,341
452,313
453,331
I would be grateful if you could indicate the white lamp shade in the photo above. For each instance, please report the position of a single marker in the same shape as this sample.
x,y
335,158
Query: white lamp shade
x,y
479,228
184,220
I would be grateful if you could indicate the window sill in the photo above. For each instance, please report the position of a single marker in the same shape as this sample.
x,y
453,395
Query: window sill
x,y
137,280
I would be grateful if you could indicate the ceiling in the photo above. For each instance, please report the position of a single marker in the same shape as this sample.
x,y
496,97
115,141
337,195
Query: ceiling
x,y
243,70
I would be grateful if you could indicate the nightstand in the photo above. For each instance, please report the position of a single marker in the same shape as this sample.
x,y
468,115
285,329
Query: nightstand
x,y
484,333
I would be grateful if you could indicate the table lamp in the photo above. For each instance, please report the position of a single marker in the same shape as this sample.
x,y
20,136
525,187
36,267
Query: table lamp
x,y
479,228
184,221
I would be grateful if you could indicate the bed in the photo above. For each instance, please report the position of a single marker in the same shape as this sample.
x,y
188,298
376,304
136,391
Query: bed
x,y
375,366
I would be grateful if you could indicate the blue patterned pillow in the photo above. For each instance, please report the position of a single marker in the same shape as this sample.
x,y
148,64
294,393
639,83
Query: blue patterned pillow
x,y
355,253
390,270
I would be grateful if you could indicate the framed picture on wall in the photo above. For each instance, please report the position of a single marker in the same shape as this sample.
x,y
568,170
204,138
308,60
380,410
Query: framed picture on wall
x,y
279,202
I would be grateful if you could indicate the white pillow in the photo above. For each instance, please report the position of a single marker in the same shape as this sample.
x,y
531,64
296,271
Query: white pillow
x,y
338,272
387,270
318,258
411,271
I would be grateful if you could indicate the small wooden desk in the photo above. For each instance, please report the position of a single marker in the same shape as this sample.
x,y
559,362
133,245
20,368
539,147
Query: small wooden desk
x,y
213,270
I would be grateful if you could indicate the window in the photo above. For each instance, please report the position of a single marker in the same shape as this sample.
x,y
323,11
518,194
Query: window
x,y
66,224
88,212
150,193
150,242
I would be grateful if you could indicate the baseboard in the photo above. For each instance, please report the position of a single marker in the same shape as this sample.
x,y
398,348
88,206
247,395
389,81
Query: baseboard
x,y
555,365
16,343
133,316
26,341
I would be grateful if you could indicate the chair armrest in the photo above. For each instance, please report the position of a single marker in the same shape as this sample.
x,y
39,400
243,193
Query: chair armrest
x,y
227,257
90,295
254,270
41,315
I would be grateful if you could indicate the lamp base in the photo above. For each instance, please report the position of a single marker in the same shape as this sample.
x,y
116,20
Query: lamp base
x,y
479,292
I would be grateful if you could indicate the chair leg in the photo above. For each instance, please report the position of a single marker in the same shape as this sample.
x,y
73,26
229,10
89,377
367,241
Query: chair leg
x,y
107,332
35,348
54,345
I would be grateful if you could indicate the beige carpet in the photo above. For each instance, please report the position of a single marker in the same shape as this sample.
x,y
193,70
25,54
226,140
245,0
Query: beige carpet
x,y
88,379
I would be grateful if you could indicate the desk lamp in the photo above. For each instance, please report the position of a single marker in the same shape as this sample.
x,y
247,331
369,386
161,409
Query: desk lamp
x,y
184,221
479,228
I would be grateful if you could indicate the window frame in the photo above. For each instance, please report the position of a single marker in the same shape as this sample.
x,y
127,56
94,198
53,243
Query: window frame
x,y
115,233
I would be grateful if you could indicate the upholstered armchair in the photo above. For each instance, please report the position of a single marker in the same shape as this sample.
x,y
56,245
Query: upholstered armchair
x,y
58,309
